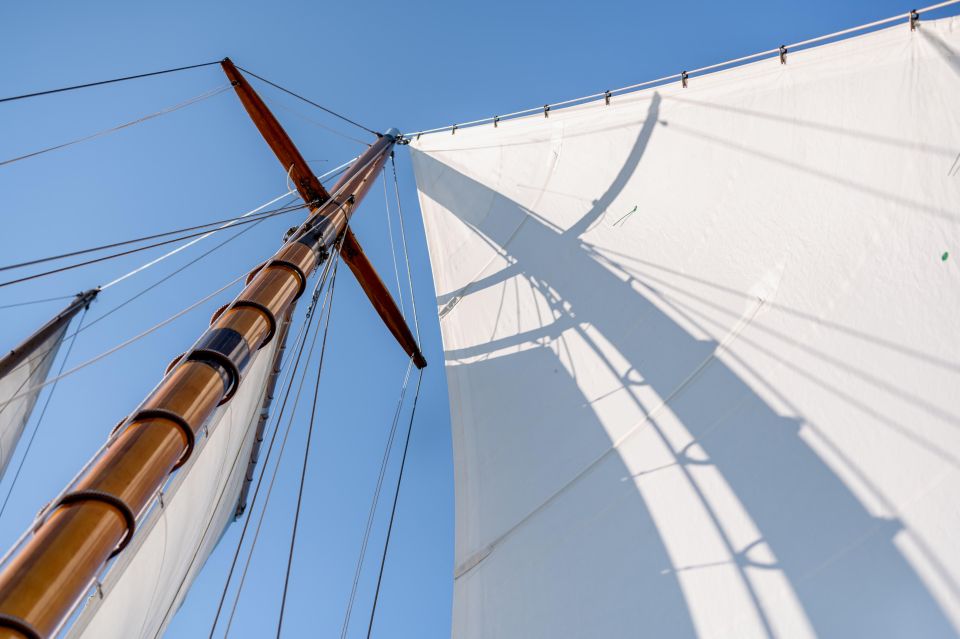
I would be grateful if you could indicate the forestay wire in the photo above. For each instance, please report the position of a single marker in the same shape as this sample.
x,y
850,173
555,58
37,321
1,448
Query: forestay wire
x,y
113,129
306,449
299,344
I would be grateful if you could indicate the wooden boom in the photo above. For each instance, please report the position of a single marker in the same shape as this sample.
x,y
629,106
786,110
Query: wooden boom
x,y
54,567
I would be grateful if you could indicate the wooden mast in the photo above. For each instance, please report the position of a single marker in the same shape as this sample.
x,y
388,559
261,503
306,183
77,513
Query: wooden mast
x,y
54,567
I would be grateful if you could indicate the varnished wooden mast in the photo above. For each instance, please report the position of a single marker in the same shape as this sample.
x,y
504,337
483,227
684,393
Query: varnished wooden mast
x,y
94,520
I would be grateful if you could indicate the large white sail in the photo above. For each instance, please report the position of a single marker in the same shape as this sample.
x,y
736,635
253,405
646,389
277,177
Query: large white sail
x,y
148,582
703,354
23,371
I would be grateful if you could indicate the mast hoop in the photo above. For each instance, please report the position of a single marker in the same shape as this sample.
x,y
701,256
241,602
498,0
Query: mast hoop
x,y
108,499
297,271
169,415
20,625
271,318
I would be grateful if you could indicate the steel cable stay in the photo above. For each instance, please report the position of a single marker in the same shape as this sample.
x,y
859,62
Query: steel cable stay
x,y
289,378
374,502
102,82
125,343
393,251
119,127
312,103
43,411
144,238
207,233
306,449
390,440
41,301
273,476
393,508
140,293
406,254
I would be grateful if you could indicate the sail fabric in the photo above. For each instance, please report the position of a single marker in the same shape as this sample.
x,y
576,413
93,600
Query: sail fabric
x,y
23,377
144,588
702,352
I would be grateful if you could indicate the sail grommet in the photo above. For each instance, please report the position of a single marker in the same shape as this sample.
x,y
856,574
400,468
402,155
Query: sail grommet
x,y
169,415
271,318
110,500
226,349
783,54
20,625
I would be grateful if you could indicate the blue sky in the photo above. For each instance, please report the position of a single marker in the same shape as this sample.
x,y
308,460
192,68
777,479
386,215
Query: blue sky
x,y
410,65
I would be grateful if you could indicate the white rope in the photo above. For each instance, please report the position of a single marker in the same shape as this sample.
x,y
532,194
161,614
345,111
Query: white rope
x,y
393,252
406,255
203,96
187,245
126,343
182,247
675,76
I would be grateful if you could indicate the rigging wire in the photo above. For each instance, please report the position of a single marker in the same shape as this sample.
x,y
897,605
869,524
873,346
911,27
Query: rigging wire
x,y
98,134
256,492
104,258
103,247
46,299
406,255
374,503
43,411
101,82
393,252
306,450
125,343
311,102
393,509
299,343
281,105
144,291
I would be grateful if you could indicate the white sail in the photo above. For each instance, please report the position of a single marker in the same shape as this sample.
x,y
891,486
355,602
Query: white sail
x,y
150,579
22,372
703,354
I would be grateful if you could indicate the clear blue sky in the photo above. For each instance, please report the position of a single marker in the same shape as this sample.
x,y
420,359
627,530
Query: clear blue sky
x,y
411,65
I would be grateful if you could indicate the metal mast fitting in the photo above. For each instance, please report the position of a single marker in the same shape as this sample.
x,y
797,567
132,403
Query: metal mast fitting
x,y
52,569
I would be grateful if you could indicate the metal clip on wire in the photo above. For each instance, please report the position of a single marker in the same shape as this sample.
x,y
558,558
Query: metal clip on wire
x,y
546,110
783,54
606,97
683,79
496,120
914,19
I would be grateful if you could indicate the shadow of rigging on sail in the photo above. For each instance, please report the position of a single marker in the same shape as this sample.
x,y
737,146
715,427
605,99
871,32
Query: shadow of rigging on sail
x,y
837,560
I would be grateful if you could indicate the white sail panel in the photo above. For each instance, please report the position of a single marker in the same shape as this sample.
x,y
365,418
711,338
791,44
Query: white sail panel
x,y
702,352
150,578
24,375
